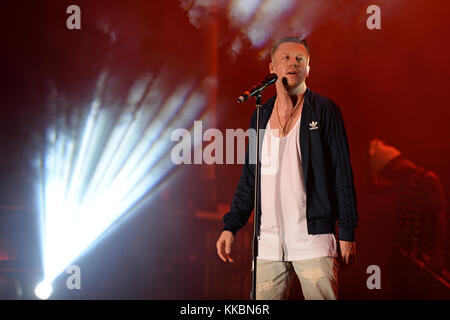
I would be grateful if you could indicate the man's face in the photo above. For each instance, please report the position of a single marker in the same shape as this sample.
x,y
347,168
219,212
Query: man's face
x,y
290,61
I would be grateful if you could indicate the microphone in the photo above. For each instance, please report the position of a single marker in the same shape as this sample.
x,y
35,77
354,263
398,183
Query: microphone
x,y
268,80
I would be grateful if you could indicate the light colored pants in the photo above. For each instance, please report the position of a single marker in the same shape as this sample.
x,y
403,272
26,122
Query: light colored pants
x,y
318,278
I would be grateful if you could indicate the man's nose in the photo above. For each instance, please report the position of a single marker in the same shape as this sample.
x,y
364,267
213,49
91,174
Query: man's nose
x,y
293,62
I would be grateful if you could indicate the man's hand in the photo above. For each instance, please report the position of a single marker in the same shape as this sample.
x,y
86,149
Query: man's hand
x,y
348,251
224,246
283,94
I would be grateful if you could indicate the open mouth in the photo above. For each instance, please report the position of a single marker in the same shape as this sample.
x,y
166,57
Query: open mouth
x,y
292,72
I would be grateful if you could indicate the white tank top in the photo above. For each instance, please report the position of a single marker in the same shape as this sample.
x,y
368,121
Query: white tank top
x,y
284,235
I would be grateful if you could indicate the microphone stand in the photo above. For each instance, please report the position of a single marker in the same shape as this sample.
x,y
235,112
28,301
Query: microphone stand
x,y
257,93
256,203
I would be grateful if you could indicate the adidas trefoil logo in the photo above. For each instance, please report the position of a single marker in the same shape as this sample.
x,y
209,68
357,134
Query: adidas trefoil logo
x,y
313,125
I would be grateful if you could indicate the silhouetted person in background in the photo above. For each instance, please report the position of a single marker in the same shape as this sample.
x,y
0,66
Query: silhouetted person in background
x,y
417,253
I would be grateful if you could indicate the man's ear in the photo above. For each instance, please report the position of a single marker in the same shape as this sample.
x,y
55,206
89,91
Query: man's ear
x,y
271,69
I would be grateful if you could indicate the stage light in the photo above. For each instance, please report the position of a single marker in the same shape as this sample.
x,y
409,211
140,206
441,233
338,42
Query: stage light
x,y
97,167
43,290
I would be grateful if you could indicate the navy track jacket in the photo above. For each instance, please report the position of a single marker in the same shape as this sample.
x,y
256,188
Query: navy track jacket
x,y
330,192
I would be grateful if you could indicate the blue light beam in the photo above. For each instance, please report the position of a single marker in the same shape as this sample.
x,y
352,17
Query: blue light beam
x,y
94,172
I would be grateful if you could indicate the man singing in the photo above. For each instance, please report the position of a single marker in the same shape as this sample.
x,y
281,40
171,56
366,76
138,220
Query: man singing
x,y
306,186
